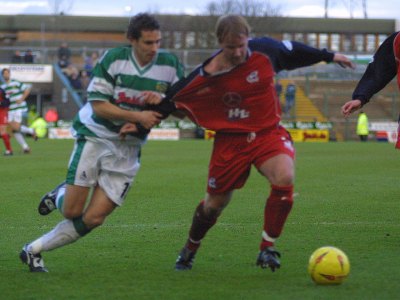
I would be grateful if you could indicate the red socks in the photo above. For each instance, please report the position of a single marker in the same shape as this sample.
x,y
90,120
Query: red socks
x,y
200,225
276,211
6,139
277,208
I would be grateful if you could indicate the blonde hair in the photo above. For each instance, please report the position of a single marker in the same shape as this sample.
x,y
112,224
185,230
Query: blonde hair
x,y
231,25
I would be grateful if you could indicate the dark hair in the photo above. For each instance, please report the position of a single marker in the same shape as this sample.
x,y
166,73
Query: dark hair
x,y
4,70
139,23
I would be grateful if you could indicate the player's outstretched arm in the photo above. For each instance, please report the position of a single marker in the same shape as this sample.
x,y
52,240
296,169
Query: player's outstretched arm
x,y
351,106
343,61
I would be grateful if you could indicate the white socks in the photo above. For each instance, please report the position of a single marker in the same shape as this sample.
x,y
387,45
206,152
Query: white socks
x,y
63,234
20,139
60,198
25,130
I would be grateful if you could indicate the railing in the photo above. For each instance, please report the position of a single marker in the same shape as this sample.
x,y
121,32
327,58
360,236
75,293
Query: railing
x,y
74,94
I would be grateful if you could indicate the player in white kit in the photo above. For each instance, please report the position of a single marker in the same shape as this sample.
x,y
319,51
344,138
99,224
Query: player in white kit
x,y
124,81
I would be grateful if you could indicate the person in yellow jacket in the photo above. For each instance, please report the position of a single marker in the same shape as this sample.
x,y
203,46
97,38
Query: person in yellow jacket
x,y
32,115
40,127
362,126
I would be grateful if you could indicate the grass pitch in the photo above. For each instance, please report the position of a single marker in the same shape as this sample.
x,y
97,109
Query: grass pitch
x,y
348,197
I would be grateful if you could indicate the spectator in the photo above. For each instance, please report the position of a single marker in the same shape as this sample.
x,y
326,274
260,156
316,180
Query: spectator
x,y
75,81
63,62
16,58
90,62
290,96
69,70
278,88
64,54
362,126
40,127
85,79
32,114
29,58
51,116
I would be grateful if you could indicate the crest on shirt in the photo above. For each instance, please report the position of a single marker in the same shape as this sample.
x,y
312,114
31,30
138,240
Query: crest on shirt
x,y
232,99
161,87
118,81
253,77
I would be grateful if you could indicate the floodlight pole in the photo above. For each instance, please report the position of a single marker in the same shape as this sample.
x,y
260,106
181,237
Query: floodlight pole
x,y
364,5
326,8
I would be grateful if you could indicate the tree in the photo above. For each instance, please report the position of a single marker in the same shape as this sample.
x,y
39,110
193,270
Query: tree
x,y
60,7
248,8
351,6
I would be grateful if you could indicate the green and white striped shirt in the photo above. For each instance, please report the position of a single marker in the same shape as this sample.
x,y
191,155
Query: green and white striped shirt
x,y
119,79
15,89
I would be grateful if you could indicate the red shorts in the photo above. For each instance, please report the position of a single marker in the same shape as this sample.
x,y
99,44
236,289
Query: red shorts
x,y
3,116
234,154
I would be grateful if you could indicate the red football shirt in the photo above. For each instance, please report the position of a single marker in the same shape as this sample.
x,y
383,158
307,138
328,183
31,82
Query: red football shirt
x,y
396,50
240,100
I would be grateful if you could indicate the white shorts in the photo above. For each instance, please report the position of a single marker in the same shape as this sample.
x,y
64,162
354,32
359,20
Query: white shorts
x,y
15,116
111,164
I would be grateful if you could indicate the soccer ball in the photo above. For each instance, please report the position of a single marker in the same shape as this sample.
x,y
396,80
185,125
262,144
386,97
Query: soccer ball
x,y
328,265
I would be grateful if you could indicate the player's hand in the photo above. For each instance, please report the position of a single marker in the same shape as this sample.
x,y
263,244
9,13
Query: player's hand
x,y
343,61
149,118
350,107
126,129
149,97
